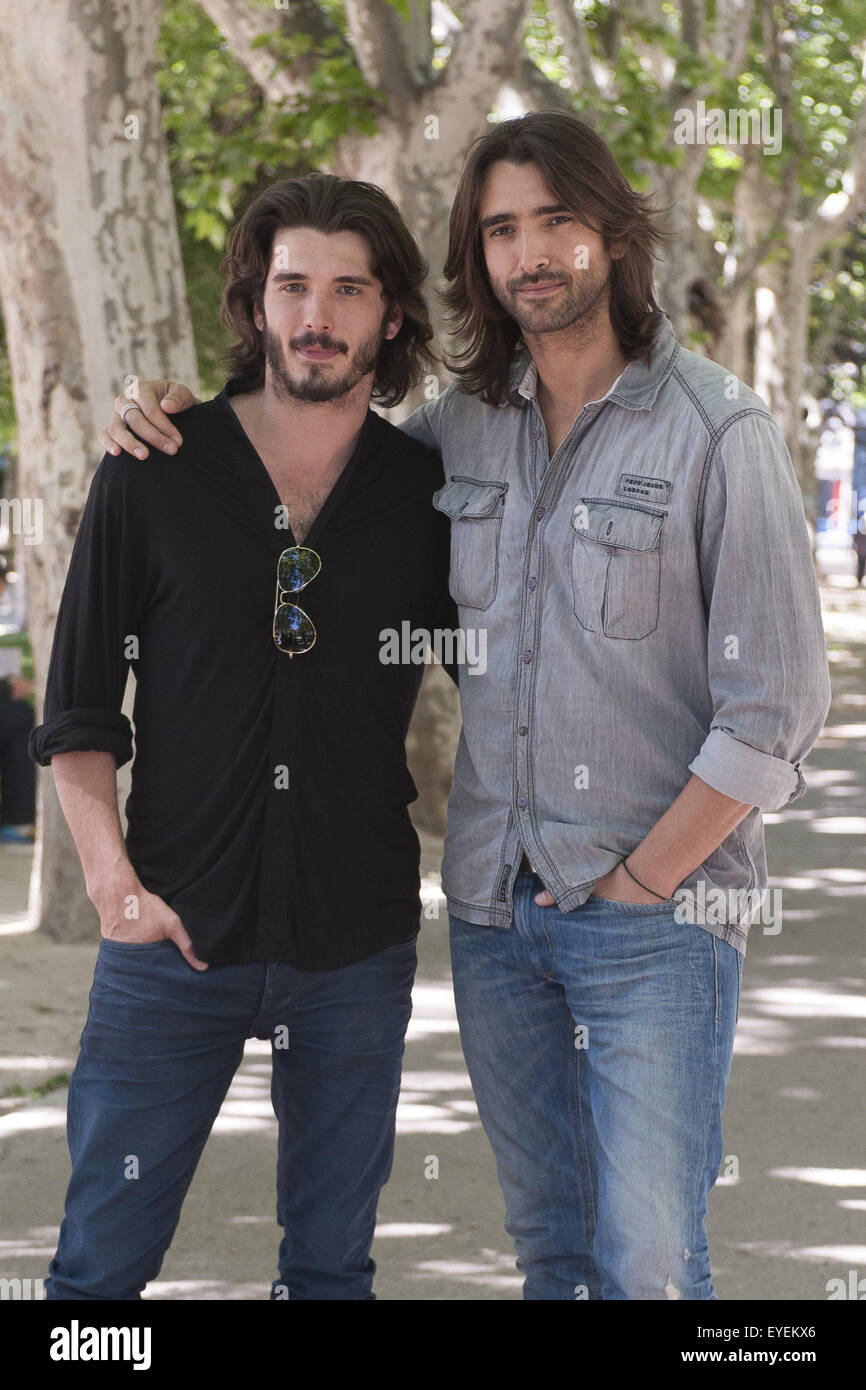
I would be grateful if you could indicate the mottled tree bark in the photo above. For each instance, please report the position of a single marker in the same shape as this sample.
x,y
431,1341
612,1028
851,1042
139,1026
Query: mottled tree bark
x,y
92,289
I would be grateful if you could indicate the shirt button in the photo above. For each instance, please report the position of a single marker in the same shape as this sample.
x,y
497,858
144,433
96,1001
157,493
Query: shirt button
x,y
521,801
539,512
532,582
527,656
523,730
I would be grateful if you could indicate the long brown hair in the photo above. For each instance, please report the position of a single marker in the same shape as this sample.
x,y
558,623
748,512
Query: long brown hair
x,y
327,203
583,175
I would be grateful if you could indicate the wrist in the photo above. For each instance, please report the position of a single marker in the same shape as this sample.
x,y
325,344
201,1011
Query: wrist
x,y
110,884
651,880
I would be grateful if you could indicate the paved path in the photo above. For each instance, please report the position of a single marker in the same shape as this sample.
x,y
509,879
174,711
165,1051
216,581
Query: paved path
x,y
789,1216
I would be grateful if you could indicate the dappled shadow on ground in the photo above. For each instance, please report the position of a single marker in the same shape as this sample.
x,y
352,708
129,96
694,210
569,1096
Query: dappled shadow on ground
x,y
787,1217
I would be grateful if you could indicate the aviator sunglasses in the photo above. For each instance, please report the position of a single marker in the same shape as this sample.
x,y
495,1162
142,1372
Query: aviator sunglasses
x,y
293,629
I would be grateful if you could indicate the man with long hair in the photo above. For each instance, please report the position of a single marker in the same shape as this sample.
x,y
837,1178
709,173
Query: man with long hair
x,y
627,526
268,884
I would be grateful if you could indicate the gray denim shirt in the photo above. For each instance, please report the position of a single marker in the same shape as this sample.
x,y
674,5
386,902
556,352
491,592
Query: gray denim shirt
x,y
651,611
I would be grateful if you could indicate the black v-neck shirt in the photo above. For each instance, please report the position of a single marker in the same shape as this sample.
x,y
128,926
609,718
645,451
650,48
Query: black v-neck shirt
x,y
269,794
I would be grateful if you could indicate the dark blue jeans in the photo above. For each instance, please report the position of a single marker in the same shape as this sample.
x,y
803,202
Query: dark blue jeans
x,y
158,1053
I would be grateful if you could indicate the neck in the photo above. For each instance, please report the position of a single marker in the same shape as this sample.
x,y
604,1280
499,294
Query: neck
x,y
320,432
576,365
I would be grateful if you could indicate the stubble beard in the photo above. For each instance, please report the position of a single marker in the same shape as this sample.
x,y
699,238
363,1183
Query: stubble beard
x,y
578,307
319,384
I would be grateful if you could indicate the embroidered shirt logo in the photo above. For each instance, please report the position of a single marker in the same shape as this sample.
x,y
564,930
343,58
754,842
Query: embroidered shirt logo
x,y
650,489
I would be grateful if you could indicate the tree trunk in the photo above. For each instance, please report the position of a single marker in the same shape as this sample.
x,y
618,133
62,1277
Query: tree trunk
x,y
92,287
682,263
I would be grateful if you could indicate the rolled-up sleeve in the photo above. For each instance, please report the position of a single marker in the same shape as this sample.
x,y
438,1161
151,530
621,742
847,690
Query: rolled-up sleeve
x,y
98,615
766,653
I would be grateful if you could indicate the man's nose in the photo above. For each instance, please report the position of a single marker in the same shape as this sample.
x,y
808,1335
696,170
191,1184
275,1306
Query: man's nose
x,y
532,254
317,316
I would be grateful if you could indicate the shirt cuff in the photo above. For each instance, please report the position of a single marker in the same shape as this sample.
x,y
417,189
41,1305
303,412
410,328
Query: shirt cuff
x,y
745,773
81,731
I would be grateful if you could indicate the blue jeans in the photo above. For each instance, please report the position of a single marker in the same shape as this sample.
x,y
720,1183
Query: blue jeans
x,y
599,1044
158,1053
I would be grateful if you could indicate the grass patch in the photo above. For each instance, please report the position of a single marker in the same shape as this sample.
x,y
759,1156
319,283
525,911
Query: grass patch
x,y
53,1083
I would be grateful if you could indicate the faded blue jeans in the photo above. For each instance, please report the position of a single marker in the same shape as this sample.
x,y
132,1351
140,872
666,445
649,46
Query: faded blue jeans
x,y
599,1044
158,1052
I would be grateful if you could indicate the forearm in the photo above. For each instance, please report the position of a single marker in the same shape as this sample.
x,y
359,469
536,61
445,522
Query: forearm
x,y
87,788
693,826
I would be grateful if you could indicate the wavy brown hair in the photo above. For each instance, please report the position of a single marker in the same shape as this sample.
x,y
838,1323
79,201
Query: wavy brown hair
x,y
327,203
583,175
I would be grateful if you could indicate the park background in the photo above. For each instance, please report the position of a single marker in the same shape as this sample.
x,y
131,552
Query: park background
x,y
132,136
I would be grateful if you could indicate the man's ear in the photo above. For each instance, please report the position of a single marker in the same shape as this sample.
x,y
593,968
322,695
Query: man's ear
x,y
258,315
617,250
393,321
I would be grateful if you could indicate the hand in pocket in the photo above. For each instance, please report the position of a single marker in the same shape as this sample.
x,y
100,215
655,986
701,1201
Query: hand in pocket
x,y
155,921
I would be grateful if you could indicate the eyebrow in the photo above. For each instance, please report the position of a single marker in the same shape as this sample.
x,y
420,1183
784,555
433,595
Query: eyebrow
x,y
495,218
338,279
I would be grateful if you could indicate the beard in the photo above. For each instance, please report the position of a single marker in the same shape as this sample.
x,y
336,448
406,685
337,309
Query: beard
x,y
583,296
319,384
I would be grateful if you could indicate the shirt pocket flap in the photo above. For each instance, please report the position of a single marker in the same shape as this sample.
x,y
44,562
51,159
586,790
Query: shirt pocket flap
x,y
466,498
613,523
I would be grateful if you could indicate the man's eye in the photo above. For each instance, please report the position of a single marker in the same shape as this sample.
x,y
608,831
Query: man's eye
x,y
350,289
496,230
293,285
560,217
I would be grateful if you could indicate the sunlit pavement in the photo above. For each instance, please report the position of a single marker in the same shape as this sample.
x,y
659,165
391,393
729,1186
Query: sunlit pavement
x,y
787,1216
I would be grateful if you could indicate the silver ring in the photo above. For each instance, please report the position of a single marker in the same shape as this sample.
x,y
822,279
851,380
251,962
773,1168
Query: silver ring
x,y
130,405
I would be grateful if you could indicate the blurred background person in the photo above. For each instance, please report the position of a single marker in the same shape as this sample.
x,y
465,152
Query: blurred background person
x,y
17,772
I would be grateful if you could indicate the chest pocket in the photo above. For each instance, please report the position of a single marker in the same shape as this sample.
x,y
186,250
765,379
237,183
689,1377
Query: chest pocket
x,y
616,567
475,508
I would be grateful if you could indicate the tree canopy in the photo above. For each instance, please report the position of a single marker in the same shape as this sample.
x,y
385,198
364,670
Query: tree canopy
x,y
275,89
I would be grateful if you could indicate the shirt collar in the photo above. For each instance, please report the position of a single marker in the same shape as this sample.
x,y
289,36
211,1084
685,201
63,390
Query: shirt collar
x,y
637,385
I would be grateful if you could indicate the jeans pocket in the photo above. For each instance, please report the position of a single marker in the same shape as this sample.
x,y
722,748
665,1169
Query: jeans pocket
x,y
634,909
616,567
476,508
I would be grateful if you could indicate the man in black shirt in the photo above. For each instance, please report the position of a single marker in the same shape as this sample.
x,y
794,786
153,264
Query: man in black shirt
x,y
268,885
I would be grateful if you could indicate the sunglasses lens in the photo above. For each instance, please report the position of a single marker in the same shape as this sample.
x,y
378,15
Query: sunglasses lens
x,y
297,567
293,630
